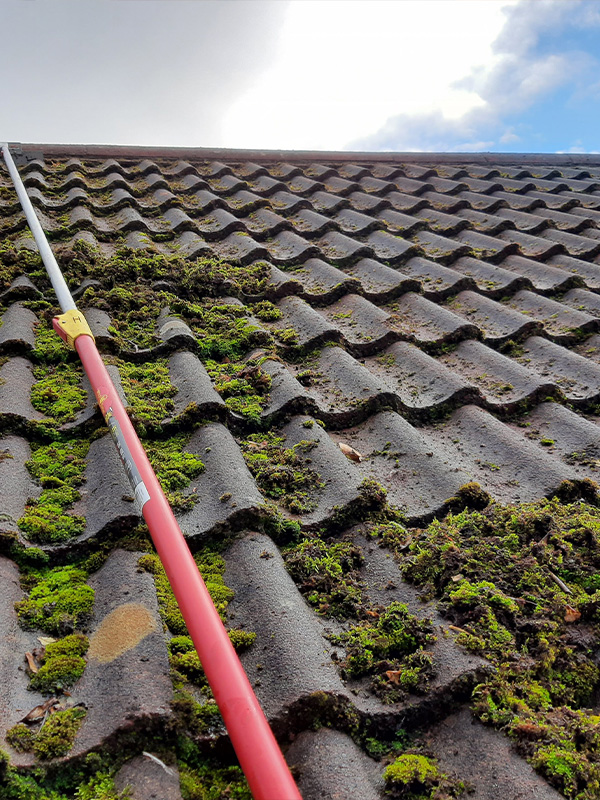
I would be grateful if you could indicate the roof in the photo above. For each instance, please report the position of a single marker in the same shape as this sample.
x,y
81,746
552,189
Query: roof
x,y
412,322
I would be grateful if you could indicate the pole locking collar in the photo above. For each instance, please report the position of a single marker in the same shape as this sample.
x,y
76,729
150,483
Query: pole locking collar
x,y
70,325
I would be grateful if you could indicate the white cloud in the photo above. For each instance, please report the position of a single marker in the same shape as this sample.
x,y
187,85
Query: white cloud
x,y
344,68
513,77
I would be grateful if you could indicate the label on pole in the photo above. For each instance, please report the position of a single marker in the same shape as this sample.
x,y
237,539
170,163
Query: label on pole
x,y
139,487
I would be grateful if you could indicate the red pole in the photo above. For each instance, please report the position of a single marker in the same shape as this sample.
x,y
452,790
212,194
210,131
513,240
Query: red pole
x,y
257,750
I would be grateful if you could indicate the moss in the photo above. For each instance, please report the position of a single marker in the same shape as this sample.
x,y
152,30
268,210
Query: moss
x,y
59,601
328,575
20,737
54,739
58,393
197,719
57,674
417,777
175,468
244,386
149,390
211,566
202,778
57,736
62,664
283,474
266,311
59,467
390,650
520,582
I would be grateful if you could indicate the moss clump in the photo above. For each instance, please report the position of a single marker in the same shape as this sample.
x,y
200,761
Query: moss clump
x,y
211,566
197,719
266,311
59,601
59,467
149,390
202,778
62,664
57,736
390,650
521,583
54,739
327,574
244,386
417,777
175,468
15,261
20,737
282,473
58,393
183,657
57,674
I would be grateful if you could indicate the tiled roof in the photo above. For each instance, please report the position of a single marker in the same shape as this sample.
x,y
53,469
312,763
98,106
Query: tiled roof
x,y
442,308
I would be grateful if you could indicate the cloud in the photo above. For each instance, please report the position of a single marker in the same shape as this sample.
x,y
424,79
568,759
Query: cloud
x,y
518,74
343,68
135,72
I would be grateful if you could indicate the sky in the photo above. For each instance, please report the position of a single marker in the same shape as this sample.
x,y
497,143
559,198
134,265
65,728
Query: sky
x,y
380,75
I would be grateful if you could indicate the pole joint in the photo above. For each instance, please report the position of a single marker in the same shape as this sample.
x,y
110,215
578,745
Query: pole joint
x,y
70,325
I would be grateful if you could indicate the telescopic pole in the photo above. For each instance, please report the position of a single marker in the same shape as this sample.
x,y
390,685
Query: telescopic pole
x,y
257,750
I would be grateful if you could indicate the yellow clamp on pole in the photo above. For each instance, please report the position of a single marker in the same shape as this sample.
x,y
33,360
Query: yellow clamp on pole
x,y
70,325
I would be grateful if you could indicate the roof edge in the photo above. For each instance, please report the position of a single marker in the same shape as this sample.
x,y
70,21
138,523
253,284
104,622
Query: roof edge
x,y
233,154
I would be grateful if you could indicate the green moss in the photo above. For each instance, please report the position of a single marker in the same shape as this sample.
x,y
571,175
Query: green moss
x,y
175,468
520,585
20,737
59,467
244,386
211,566
328,575
390,650
202,778
58,393
62,664
57,674
57,736
59,601
197,719
54,739
417,777
16,261
148,389
283,474
266,311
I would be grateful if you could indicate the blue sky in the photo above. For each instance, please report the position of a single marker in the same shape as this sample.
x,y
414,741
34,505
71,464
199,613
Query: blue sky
x,y
400,75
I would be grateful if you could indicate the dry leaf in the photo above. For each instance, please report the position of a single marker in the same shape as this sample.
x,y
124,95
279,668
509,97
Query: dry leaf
x,y
350,452
31,662
456,578
372,614
393,675
37,713
46,640
572,614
